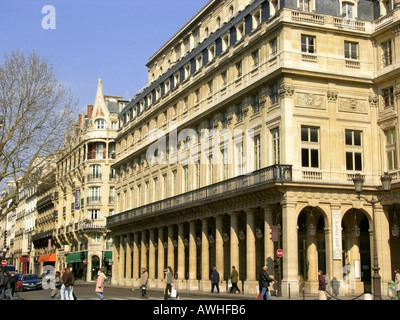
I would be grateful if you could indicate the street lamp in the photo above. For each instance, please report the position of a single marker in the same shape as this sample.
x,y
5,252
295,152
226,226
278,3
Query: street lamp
x,y
358,181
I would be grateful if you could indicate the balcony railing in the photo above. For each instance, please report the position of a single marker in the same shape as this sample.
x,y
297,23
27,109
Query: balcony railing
x,y
275,173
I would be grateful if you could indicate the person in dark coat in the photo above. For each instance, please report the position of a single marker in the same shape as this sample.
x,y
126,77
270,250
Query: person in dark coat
x,y
214,277
263,283
8,284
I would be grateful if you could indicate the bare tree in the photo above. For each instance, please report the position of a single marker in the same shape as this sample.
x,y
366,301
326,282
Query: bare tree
x,y
35,112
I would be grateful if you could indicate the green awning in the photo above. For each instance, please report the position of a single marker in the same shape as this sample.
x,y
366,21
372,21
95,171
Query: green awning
x,y
107,255
75,257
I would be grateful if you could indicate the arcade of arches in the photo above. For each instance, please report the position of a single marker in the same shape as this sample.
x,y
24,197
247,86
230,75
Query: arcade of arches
x,y
314,235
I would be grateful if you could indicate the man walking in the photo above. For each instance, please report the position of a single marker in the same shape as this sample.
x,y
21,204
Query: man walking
x,y
214,280
263,283
234,277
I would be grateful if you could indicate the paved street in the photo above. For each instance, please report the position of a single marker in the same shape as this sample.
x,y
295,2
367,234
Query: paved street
x,y
85,291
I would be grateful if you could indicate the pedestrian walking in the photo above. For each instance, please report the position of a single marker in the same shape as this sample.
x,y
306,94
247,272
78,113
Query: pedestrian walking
x,y
168,275
2,292
101,277
143,282
263,283
214,277
72,295
55,293
321,286
14,280
8,286
66,279
397,280
234,277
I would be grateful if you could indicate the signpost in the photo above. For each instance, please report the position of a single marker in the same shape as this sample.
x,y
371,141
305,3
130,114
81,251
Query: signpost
x,y
279,254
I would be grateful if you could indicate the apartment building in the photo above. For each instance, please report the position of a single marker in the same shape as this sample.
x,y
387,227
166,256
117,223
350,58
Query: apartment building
x,y
84,190
257,119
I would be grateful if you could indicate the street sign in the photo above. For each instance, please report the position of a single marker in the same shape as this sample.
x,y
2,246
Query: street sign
x,y
279,253
84,261
3,263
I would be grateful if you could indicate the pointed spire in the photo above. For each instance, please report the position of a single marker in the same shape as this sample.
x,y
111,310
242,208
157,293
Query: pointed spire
x,y
99,93
99,108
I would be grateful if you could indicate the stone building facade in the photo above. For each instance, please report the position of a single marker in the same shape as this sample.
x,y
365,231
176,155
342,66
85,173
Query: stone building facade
x,y
257,117
85,189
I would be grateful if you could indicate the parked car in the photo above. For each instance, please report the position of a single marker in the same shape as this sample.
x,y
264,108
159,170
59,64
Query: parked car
x,y
31,282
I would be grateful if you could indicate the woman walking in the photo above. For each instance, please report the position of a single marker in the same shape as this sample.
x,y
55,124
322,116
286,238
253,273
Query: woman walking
x,y
100,284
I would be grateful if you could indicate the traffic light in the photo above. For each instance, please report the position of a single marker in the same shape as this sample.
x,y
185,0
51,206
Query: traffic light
x,y
5,239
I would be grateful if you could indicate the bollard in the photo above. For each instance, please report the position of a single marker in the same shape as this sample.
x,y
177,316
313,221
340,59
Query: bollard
x,y
367,296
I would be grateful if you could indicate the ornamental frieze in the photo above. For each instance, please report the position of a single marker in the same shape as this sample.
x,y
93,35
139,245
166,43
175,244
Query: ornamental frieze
x,y
309,100
352,105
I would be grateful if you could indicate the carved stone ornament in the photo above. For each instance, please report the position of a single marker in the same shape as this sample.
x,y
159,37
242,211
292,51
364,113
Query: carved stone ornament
x,y
285,91
373,100
310,100
332,95
352,105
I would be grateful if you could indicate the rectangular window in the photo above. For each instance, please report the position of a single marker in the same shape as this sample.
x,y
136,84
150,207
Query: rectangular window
x,y
185,180
388,99
257,152
255,58
210,170
94,214
238,69
275,146
304,5
164,191
309,147
391,149
307,44
174,188
155,189
351,50
274,47
274,97
347,10
353,150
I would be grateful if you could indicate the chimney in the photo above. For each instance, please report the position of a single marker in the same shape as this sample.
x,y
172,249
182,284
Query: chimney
x,y
89,110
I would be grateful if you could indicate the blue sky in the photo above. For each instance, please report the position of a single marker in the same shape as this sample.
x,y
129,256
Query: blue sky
x,y
108,39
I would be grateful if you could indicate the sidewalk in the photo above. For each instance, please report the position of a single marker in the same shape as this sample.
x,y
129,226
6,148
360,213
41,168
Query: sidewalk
x,y
245,296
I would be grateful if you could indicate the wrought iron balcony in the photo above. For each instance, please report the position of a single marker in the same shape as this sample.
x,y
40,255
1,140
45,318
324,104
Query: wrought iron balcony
x,y
213,192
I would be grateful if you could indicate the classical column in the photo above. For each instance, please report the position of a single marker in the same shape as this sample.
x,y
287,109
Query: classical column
x,y
116,258
251,281
205,257
219,248
121,261
136,255
290,259
170,253
143,251
268,243
192,282
129,258
152,256
234,241
181,254
160,257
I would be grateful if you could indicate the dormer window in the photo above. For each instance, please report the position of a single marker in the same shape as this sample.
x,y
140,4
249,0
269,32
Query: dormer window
x,y
100,124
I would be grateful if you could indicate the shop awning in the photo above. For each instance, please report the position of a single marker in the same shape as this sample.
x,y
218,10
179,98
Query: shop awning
x,y
24,259
50,257
107,255
75,257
